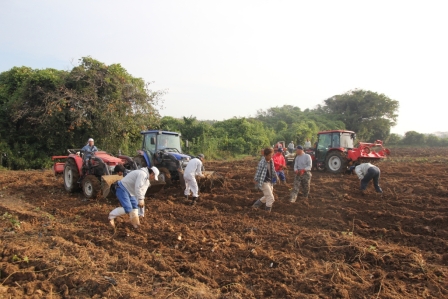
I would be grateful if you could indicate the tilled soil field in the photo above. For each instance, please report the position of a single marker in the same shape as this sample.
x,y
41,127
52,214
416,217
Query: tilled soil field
x,y
342,245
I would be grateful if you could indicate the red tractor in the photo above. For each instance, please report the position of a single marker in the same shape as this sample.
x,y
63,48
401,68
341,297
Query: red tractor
x,y
93,174
334,151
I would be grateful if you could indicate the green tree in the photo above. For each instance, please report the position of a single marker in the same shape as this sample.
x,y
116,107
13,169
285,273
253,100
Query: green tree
x,y
44,112
369,114
433,140
394,139
243,135
413,138
272,116
281,126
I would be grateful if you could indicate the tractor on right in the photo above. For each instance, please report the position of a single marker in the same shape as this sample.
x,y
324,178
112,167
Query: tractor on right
x,y
334,151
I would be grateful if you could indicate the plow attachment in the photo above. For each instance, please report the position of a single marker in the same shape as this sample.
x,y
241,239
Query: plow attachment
x,y
107,185
155,187
211,180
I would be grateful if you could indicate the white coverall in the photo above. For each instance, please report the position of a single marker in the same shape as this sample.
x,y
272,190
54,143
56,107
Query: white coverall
x,y
193,169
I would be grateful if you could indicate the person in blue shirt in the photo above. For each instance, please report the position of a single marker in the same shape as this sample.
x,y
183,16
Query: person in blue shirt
x,y
89,148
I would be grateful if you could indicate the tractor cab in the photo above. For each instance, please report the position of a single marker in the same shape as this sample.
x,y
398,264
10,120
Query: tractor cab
x,y
163,150
332,141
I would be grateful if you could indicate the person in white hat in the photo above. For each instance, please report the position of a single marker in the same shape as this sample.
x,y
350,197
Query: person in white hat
x,y
131,192
88,149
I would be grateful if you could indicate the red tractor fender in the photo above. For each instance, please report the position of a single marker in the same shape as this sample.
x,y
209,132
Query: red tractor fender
x,y
78,160
58,167
353,154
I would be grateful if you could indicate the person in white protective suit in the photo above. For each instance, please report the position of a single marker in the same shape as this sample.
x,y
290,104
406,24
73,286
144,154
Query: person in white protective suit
x,y
131,191
193,169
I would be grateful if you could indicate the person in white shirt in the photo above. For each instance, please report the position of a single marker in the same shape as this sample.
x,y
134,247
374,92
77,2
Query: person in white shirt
x,y
307,143
367,172
193,169
291,147
131,192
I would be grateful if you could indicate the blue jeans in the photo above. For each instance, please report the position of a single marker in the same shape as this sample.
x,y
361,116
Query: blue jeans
x,y
372,173
281,175
127,201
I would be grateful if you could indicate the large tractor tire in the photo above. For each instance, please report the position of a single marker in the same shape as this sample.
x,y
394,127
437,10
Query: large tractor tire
x,y
71,176
91,186
336,162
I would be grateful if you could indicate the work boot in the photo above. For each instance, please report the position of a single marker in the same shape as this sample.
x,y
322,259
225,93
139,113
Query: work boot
x,y
268,209
134,219
117,212
193,201
257,204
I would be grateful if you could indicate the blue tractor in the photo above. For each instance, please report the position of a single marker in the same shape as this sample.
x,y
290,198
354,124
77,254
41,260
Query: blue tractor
x,y
162,149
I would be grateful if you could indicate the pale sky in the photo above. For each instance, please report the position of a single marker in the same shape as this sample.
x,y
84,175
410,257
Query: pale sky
x,y
220,59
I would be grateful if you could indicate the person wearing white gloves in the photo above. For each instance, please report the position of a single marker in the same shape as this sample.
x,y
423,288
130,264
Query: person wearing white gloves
x,y
193,169
131,191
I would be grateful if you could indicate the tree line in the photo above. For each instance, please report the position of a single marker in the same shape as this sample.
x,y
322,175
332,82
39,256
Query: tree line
x,y
43,112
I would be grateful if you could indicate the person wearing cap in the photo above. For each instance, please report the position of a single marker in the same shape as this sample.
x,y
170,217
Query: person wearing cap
x,y
131,191
367,172
280,164
193,169
265,177
89,148
302,169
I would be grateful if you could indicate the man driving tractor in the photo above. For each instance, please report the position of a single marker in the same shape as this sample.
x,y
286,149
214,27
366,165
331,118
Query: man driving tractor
x,y
88,149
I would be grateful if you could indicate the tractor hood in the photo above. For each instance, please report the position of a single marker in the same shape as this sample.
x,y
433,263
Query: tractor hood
x,y
107,158
180,156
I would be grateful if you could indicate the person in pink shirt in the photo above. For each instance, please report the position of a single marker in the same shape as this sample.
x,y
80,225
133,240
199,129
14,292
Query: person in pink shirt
x,y
279,165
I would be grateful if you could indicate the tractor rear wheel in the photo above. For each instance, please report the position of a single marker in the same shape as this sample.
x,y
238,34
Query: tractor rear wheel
x,y
336,162
71,176
91,186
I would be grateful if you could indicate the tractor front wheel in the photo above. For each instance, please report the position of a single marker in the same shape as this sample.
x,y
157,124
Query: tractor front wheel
x,y
336,162
91,186
165,175
71,176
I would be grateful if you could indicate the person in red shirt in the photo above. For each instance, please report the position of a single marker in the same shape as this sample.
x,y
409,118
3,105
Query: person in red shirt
x,y
279,165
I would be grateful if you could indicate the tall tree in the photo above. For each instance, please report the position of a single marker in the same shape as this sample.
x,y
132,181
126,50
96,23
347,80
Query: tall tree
x,y
368,113
46,111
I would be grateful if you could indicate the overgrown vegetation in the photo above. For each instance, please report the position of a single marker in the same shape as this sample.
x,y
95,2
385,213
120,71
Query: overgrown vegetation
x,y
44,112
